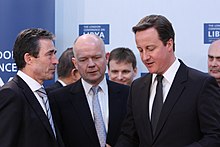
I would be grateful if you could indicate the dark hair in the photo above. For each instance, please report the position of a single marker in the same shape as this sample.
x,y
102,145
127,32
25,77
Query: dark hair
x,y
65,64
27,41
160,23
122,54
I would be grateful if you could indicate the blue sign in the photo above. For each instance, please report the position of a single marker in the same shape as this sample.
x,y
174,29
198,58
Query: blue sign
x,y
211,32
16,16
101,30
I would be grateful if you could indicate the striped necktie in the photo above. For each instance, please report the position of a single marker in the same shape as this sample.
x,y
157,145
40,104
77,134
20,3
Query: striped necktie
x,y
98,119
42,93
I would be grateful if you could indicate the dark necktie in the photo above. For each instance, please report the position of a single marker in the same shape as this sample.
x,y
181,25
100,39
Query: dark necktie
x,y
98,119
42,93
157,104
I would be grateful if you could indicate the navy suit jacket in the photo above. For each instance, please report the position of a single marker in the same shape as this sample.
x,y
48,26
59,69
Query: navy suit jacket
x,y
23,122
190,116
54,86
73,115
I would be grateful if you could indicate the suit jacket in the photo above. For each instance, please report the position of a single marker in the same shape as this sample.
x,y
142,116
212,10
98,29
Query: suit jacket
x,y
23,121
190,115
54,86
73,115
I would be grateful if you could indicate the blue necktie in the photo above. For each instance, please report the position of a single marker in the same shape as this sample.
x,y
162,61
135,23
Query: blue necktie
x,y
42,93
157,104
98,119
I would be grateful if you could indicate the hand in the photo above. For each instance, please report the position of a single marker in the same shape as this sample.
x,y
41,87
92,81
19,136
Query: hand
x,y
108,145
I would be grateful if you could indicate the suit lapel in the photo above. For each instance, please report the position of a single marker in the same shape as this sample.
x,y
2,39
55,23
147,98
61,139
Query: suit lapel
x,y
173,95
145,93
32,100
81,105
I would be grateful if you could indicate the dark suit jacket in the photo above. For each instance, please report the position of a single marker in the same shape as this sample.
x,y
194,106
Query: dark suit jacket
x,y
23,122
190,115
73,115
54,86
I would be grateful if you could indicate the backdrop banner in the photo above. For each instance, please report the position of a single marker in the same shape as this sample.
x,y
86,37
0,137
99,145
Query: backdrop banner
x,y
16,16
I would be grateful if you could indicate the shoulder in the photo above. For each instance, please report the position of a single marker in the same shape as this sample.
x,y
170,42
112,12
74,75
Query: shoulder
x,y
54,86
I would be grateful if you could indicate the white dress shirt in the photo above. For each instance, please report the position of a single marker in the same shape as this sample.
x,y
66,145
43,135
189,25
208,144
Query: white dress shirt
x,y
34,85
167,81
102,96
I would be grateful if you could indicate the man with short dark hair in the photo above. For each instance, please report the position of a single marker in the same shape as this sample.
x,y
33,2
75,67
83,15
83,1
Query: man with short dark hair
x,y
173,105
26,119
122,65
67,73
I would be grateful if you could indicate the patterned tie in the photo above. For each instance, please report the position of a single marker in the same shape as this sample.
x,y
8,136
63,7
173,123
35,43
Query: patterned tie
x,y
42,93
98,119
157,104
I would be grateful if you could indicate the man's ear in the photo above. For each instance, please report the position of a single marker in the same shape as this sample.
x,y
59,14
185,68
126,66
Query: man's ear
x,y
75,74
28,58
74,62
170,44
107,56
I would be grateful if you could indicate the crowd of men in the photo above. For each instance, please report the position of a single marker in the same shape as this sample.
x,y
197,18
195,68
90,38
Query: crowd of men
x,y
173,105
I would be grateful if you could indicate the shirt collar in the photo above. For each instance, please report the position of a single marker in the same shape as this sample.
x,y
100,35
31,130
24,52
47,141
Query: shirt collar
x,y
87,86
170,73
61,82
33,84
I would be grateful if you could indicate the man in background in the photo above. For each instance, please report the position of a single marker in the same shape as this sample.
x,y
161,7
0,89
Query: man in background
x,y
25,115
90,111
66,71
214,60
122,65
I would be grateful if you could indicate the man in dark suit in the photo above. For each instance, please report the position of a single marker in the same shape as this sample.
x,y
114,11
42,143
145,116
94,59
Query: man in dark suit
x,y
67,73
73,105
25,116
214,60
173,105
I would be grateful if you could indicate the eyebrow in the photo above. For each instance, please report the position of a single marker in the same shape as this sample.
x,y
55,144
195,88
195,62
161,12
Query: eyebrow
x,y
211,56
52,51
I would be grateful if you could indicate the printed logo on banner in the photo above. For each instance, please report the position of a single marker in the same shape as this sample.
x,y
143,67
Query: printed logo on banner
x,y
211,32
101,30
44,18
7,66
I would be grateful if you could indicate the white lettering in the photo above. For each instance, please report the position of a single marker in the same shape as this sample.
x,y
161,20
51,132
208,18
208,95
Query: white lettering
x,y
100,34
8,67
6,55
213,33
1,81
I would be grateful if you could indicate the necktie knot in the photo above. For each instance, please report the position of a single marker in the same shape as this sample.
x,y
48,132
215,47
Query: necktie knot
x,y
95,89
159,78
41,92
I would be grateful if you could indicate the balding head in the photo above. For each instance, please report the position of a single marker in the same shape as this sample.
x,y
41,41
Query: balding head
x,y
88,40
214,60
90,58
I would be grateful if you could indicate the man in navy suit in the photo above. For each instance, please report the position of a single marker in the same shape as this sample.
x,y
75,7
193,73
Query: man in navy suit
x,y
24,117
188,109
67,73
72,105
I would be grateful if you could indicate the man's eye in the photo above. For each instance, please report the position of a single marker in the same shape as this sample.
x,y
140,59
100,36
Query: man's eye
x,y
150,48
114,71
127,71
